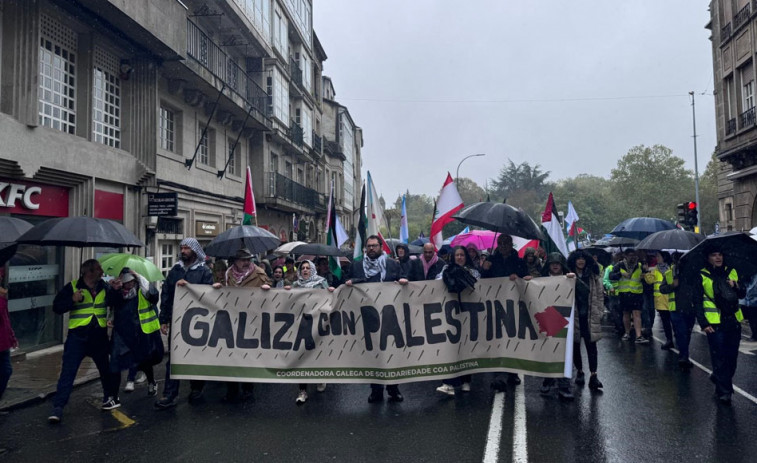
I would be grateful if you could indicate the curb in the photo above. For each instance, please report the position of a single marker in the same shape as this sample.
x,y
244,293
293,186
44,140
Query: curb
x,y
21,402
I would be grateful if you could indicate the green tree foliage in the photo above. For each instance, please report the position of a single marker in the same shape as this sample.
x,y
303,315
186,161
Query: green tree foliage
x,y
708,195
650,181
592,198
420,209
523,186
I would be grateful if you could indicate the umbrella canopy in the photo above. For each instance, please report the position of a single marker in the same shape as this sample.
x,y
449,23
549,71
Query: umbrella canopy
x,y
393,242
739,252
641,227
675,240
113,263
317,249
621,242
501,218
10,229
256,240
286,248
420,241
311,257
603,256
482,239
80,232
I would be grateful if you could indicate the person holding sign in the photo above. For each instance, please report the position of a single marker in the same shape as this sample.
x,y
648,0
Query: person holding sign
x,y
375,268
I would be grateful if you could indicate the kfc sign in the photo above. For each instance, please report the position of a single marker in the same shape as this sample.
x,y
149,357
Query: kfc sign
x,y
33,199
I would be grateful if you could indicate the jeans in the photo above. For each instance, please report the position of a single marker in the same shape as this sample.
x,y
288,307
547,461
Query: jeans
x,y
724,350
683,323
171,387
90,341
666,325
6,369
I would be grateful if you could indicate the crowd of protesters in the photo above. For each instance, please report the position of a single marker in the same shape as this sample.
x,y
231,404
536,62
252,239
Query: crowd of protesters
x,y
632,289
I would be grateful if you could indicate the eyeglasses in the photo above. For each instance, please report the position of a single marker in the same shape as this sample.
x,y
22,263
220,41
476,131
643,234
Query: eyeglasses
x,y
372,245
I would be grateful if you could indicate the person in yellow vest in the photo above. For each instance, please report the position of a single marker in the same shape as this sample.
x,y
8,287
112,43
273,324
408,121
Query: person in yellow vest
x,y
718,314
663,273
84,301
136,340
629,273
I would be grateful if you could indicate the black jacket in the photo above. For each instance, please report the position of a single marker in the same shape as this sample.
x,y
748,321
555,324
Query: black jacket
x,y
196,274
505,266
392,272
416,270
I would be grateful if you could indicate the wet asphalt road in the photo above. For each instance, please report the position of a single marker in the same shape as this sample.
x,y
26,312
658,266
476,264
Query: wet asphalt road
x,y
649,411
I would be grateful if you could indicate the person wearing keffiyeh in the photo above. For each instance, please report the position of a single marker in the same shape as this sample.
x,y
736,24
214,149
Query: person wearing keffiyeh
x,y
377,268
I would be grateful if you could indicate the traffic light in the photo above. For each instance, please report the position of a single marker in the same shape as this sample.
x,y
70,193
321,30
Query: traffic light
x,y
682,210
692,215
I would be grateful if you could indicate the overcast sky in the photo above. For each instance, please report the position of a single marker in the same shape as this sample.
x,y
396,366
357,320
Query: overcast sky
x,y
571,86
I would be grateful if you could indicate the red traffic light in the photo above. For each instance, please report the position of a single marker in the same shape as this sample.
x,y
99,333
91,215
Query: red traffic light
x,y
692,206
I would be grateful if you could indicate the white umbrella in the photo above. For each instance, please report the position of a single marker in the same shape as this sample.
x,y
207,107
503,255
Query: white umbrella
x,y
286,248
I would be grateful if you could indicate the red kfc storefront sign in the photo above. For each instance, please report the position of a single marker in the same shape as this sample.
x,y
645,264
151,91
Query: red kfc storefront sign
x,y
19,197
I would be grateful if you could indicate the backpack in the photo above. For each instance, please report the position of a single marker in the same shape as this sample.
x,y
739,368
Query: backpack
x,y
457,278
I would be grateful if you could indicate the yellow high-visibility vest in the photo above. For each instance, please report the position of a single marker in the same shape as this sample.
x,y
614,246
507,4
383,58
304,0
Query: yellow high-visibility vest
x,y
83,311
148,319
631,282
711,312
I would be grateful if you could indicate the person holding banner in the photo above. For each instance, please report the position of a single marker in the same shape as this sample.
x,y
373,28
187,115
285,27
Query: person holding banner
x,y
243,273
587,319
374,268
190,269
308,278
461,261
403,258
428,266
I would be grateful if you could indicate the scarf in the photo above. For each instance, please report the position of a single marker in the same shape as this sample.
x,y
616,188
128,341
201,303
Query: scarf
x,y
313,281
238,276
371,267
429,264
662,267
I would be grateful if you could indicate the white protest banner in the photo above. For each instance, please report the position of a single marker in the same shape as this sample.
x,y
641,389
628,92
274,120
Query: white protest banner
x,y
371,333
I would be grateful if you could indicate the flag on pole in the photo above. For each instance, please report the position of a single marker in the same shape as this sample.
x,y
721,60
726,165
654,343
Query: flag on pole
x,y
249,200
448,203
404,232
336,236
554,240
571,227
375,214
362,224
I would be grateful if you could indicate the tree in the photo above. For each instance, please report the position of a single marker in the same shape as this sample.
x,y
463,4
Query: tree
x,y
591,197
708,195
523,186
419,211
650,181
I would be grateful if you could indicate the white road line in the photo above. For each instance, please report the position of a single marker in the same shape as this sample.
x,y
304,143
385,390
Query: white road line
x,y
520,448
709,372
491,453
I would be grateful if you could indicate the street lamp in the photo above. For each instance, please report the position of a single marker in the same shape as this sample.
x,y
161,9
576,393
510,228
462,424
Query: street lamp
x,y
457,172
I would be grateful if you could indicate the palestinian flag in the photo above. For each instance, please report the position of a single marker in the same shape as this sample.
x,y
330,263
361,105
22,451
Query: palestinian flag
x,y
554,239
249,200
336,236
362,225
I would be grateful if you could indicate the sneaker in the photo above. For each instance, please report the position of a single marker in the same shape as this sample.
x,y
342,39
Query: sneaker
x,y
140,378
56,416
725,399
580,378
465,387
302,397
195,396
129,386
111,403
446,389
513,379
594,383
626,337
320,387
565,394
165,403
394,394
152,389
667,346
546,386
375,397
642,340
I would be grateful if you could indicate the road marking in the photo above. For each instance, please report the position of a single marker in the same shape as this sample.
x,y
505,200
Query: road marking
x,y
709,372
491,453
123,419
520,448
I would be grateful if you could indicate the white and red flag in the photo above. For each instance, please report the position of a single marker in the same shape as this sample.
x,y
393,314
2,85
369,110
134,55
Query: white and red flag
x,y
447,205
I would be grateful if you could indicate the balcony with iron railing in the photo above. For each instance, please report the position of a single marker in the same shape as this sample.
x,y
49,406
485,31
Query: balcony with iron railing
x,y
296,134
725,32
317,144
282,188
210,56
742,16
730,127
295,72
747,118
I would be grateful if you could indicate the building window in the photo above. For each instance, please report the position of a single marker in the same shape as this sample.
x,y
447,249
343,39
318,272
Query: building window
x,y
280,32
167,129
288,168
167,257
278,95
749,95
235,165
274,166
57,76
206,154
106,100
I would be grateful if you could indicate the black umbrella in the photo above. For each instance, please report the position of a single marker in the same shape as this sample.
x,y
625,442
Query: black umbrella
x,y
413,249
670,240
318,249
621,242
256,240
501,218
10,229
603,256
739,252
641,227
80,232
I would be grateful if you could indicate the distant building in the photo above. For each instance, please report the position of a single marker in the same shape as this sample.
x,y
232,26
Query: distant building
x,y
734,27
104,103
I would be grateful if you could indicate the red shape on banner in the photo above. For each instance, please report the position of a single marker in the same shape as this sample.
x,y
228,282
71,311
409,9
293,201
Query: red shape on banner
x,y
550,321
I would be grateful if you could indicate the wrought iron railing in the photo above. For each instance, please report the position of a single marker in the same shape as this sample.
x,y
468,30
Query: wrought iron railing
x,y
742,16
317,143
725,32
208,54
747,118
295,71
285,188
296,134
730,126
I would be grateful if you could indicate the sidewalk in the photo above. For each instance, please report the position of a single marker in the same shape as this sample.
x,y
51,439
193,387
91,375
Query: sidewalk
x,y
36,376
